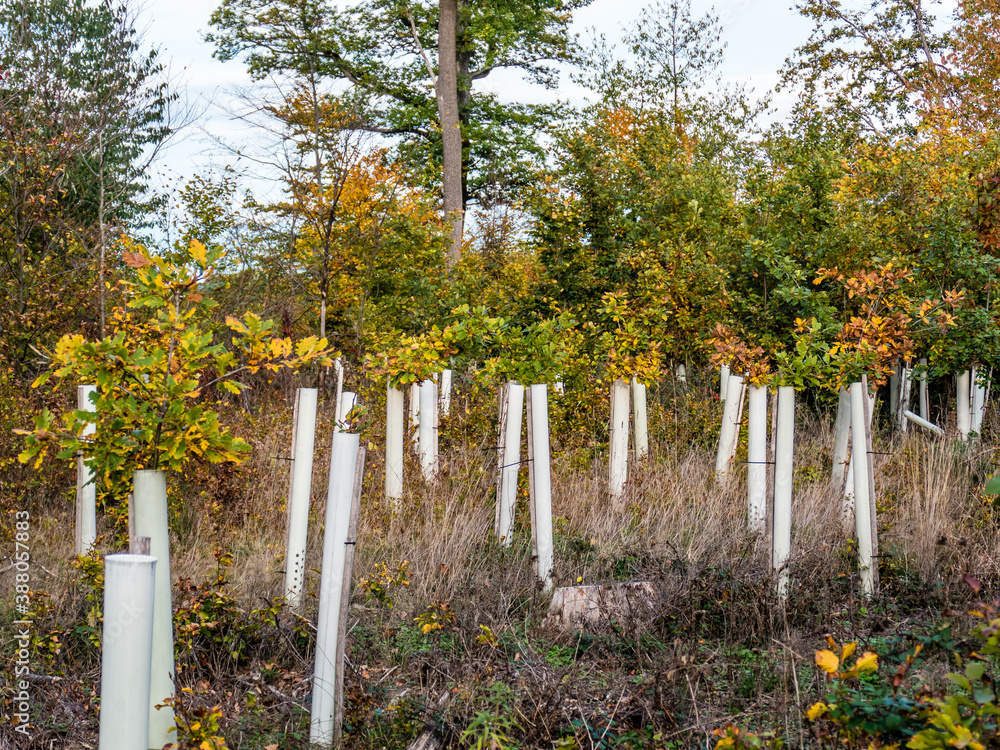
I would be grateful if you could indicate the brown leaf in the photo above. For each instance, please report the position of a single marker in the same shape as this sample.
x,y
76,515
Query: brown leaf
x,y
136,260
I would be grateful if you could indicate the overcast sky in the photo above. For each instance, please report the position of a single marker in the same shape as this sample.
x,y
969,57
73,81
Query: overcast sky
x,y
760,34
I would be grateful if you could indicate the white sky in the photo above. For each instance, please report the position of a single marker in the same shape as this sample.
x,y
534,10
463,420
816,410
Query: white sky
x,y
760,35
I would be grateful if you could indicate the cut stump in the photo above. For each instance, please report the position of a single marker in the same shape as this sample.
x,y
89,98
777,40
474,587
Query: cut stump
x,y
594,605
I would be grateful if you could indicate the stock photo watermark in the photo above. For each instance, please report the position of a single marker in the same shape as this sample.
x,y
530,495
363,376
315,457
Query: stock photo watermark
x,y
21,709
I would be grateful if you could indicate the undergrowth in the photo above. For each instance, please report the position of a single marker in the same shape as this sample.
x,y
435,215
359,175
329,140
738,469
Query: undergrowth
x,y
448,631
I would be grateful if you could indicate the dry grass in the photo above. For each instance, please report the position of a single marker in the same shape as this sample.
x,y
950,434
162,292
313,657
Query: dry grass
x,y
933,524
682,531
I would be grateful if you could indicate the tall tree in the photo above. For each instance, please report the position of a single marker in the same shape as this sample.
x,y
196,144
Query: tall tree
x,y
975,56
396,58
670,56
878,65
446,89
84,108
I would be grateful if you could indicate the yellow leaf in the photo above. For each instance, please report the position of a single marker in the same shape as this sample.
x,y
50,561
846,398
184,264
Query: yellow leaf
x,y
817,710
197,252
867,663
827,661
849,649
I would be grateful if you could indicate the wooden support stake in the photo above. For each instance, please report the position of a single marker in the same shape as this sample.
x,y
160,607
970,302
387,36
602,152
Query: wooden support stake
x,y
925,410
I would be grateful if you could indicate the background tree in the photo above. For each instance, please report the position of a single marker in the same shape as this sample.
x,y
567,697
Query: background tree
x,y
84,110
876,64
975,60
384,51
641,210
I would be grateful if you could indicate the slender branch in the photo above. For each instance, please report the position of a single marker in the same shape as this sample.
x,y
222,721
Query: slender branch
x,y
420,47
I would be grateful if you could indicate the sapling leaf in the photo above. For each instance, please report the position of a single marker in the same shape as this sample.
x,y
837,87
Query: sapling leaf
x,y
974,670
960,680
983,695
992,486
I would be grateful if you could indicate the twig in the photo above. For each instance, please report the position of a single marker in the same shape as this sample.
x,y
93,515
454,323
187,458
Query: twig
x,y
41,679
382,679
611,718
272,691
586,725
694,702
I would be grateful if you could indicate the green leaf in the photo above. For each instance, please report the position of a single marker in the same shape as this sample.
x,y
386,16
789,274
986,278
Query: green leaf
x,y
974,670
993,486
960,680
983,695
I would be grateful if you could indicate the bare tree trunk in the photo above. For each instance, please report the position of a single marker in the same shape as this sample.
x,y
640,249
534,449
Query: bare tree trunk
x,y
451,133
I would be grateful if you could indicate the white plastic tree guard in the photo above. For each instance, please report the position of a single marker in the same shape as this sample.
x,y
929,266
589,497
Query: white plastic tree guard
x,y
393,445
540,483
446,393
299,493
428,430
864,522
911,417
126,651
640,423
348,401
847,509
723,382
334,594
841,439
757,459
618,448
905,389
682,374
963,405
781,540
149,495
732,416
512,407
86,489
925,411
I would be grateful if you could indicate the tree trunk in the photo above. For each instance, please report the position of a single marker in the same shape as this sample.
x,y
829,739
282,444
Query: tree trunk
x,y
451,133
